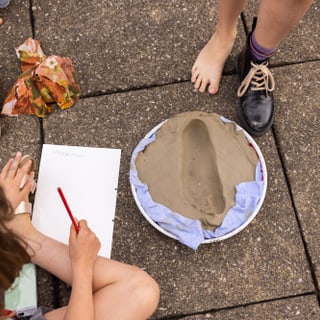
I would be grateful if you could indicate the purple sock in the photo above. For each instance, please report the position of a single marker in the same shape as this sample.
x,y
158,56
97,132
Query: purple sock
x,y
258,52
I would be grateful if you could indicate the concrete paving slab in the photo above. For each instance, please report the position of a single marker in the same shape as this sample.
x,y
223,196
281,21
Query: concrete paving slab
x,y
52,292
298,308
118,45
302,43
297,129
14,31
46,287
20,133
270,269
265,261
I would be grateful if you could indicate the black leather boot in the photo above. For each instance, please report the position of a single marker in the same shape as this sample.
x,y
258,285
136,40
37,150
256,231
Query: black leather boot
x,y
256,111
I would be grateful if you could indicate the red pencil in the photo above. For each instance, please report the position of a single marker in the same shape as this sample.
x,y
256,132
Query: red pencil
x,y
68,209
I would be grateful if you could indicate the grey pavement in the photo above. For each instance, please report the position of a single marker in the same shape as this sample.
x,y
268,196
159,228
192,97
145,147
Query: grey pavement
x,y
133,61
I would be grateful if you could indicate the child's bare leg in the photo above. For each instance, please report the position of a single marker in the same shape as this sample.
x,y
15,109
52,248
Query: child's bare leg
x,y
120,291
208,67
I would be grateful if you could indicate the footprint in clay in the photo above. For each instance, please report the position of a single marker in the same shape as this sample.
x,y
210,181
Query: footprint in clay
x,y
201,183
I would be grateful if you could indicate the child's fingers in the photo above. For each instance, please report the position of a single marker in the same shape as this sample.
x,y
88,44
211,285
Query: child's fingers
x,y
83,224
26,166
73,228
73,233
15,164
24,170
11,167
26,189
6,168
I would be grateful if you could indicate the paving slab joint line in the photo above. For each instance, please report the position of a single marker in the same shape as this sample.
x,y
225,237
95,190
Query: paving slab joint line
x,y
292,63
31,18
244,305
41,132
143,87
304,242
244,23
151,86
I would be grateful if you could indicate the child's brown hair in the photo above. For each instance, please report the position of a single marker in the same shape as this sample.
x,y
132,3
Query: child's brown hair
x,y
13,254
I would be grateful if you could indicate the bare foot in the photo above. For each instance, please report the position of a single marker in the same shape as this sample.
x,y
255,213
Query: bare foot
x,y
208,67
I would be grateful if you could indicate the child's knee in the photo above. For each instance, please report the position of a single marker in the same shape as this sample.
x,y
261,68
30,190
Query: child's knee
x,y
148,290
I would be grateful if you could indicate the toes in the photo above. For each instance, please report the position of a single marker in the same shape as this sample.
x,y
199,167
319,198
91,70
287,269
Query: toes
x,y
194,76
213,89
198,83
203,86
193,70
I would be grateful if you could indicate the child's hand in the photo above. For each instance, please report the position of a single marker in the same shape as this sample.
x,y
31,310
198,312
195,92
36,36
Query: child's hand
x,y
11,177
84,246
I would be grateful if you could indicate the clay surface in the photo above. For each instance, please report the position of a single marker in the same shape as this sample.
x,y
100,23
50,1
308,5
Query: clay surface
x,y
194,164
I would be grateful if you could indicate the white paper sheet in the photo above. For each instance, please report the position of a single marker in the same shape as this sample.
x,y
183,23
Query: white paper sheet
x,y
88,178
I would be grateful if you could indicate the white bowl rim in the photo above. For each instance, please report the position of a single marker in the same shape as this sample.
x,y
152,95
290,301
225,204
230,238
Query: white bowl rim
x,y
243,225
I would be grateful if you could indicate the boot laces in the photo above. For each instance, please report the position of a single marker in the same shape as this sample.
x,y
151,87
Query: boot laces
x,y
260,77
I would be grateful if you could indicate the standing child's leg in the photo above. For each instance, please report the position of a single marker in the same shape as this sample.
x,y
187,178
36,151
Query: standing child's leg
x,y
208,67
277,18
274,22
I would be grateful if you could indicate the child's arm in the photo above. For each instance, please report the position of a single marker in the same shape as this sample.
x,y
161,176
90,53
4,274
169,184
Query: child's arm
x,y
84,248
